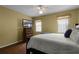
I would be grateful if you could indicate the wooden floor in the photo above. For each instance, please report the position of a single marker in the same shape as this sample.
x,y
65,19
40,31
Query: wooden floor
x,y
19,48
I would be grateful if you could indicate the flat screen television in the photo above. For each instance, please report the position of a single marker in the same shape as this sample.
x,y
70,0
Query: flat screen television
x,y
27,23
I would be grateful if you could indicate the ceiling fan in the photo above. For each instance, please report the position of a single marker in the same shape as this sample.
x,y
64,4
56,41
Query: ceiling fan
x,y
41,9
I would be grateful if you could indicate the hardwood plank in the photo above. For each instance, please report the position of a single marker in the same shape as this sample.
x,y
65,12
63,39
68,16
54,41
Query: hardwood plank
x,y
19,48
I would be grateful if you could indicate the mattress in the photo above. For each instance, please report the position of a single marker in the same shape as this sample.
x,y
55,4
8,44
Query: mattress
x,y
53,43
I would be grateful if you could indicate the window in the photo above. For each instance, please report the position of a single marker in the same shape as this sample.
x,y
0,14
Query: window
x,y
62,23
38,25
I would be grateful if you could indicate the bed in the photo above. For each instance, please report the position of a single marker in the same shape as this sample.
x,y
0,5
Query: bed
x,y
52,43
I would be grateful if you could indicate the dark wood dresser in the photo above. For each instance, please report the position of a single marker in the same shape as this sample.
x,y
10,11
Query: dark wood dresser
x,y
27,29
27,34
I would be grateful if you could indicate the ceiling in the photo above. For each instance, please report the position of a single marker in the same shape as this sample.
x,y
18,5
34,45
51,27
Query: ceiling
x,y
31,10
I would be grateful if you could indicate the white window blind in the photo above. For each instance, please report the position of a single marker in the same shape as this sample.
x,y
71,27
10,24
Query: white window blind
x,y
62,23
38,25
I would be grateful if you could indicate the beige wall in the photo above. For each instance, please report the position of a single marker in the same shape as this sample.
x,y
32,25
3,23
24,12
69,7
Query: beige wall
x,y
49,23
78,16
10,26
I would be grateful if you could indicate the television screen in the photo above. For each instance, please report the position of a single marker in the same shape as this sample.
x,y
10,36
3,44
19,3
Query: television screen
x,y
27,23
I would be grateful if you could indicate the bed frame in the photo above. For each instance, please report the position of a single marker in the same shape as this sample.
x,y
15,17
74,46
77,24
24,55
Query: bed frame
x,y
34,51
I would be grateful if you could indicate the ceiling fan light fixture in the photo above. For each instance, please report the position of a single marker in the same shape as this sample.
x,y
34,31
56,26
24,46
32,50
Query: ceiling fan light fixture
x,y
41,9
38,7
40,12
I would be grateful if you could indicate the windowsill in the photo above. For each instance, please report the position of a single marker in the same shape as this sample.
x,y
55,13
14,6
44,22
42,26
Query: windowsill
x,y
38,32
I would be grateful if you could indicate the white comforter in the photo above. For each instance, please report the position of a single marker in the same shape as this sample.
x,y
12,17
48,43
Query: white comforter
x,y
53,43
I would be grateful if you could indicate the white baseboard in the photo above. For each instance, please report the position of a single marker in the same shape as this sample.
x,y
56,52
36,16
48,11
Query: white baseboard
x,y
10,44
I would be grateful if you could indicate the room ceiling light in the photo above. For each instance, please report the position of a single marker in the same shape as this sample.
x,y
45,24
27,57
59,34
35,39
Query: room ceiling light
x,y
41,9
40,12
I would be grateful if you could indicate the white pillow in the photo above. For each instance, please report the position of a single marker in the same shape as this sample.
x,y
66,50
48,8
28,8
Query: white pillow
x,y
77,27
75,36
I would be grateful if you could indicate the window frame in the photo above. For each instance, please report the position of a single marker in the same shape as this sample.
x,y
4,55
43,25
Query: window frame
x,y
61,18
38,27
